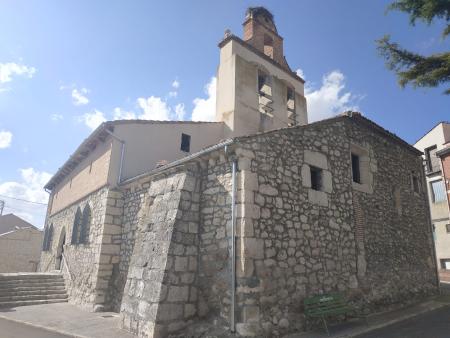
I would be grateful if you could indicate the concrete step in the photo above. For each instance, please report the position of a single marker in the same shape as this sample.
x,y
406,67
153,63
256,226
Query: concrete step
x,y
30,281
31,302
33,291
28,276
13,288
15,298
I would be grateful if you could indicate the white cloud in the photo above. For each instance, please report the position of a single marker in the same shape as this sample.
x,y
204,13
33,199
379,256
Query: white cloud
x,y
94,119
79,97
331,98
300,73
176,84
30,187
56,117
9,69
180,112
154,108
205,109
120,114
5,139
173,94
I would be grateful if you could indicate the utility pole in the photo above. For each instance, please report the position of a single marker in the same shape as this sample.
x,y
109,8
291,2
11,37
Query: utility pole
x,y
2,205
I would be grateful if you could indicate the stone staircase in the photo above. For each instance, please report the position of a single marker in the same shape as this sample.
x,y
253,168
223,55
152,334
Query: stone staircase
x,y
21,289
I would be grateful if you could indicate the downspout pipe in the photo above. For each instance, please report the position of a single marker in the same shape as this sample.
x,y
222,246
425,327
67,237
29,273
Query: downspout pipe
x,y
122,153
233,246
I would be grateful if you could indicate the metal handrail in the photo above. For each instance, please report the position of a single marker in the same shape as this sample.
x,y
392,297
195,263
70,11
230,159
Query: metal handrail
x,y
66,264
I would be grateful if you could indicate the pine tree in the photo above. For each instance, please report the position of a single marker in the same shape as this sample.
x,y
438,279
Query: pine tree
x,y
412,68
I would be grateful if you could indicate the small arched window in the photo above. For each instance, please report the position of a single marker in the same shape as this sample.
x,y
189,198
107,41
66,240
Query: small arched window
x,y
48,243
85,225
76,227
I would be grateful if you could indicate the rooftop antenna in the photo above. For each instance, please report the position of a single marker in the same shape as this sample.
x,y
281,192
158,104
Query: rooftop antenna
x,y
2,205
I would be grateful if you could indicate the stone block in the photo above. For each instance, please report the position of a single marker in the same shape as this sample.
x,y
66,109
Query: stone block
x,y
181,263
316,159
244,267
266,189
241,152
244,227
178,294
189,310
167,312
250,247
250,314
318,197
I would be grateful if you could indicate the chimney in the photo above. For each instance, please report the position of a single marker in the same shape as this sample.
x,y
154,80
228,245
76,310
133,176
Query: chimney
x,y
261,33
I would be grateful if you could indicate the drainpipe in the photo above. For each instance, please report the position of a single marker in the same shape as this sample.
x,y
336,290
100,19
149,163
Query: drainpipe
x,y
233,245
122,152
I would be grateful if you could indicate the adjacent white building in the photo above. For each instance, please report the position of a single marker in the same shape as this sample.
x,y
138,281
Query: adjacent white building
x,y
429,144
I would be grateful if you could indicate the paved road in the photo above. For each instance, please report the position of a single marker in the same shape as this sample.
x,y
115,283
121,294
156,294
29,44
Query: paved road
x,y
434,324
9,329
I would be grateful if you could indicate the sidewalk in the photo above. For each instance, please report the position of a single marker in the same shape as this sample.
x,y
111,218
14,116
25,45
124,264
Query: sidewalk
x,y
68,320
355,328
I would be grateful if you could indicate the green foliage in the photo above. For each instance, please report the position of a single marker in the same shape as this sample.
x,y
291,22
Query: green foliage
x,y
412,68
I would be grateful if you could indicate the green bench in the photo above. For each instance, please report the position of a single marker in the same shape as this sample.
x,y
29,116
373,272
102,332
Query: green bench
x,y
328,305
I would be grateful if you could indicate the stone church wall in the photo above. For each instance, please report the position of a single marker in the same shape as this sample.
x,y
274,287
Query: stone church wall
x,y
89,266
295,242
83,259
161,293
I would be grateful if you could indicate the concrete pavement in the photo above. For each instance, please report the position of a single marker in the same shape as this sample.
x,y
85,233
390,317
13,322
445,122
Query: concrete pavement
x,y
9,329
385,321
67,320
433,324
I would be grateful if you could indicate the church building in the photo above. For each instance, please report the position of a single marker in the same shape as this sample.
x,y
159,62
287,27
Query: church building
x,y
176,224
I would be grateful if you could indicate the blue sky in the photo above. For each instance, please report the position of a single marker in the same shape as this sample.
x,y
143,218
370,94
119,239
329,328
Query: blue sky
x,y
67,66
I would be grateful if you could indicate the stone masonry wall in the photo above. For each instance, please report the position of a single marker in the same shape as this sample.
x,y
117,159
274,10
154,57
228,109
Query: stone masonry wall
x,y
160,294
81,259
89,266
295,242
395,232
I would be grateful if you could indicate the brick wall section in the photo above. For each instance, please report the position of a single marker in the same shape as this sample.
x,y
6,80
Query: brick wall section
x,y
445,160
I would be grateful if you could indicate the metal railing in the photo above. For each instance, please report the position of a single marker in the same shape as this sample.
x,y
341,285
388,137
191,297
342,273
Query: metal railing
x,y
66,265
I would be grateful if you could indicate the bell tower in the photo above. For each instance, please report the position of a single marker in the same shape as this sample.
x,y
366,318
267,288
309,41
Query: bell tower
x,y
256,89
261,33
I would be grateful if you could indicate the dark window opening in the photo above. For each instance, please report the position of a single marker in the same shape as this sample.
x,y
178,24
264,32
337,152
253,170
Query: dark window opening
x,y
447,228
356,169
76,230
185,143
290,105
85,225
268,45
415,183
316,178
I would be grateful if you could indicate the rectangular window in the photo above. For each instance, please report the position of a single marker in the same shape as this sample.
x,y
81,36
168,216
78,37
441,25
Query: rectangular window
x,y
447,228
185,143
445,264
438,191
316,178
356,169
